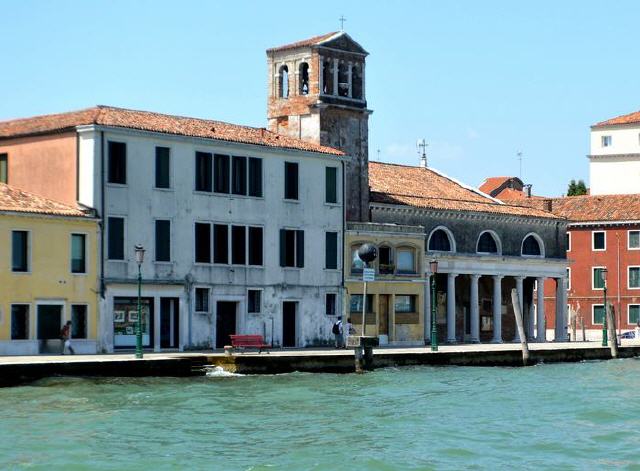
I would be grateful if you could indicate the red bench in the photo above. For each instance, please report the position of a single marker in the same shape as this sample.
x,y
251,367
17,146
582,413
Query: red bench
x,y
248,341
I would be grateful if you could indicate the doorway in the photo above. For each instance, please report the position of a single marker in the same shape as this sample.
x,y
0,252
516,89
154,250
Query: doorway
x,y
289,323
383,313
169,323
225,322
49,321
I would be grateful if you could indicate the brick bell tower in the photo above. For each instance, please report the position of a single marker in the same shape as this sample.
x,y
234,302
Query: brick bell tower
x,y
317,93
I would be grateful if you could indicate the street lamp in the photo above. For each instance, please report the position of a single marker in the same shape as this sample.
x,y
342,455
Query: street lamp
x,y
433,265
603,274
139,249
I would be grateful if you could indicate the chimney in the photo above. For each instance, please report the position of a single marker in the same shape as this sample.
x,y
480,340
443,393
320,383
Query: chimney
x,y
548,205
526,189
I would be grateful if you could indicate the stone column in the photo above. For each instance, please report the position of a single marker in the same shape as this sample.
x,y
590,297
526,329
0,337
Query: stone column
x,y
561,310
335,76
520,292
497,309
451,307
542,331
320,76
350,79
427,309
475,310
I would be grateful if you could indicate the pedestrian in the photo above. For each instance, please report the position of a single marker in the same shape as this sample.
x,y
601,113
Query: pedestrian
x,y
337,332
349,330
65,336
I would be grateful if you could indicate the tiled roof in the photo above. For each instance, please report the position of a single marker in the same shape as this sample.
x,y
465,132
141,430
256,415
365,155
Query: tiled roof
x,y
156,122
630,118
597,208
306,42
20,201
492,183
425,188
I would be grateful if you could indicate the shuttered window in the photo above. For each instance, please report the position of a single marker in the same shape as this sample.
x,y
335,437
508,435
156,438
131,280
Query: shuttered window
x,y
331,185
115,228
291,248
78,253
203,171
20,251
290,180
117,163
163,241
4,168
331,251
162,167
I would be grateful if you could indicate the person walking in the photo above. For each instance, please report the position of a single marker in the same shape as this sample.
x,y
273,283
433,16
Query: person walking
x,y
348,330
65,336
337,332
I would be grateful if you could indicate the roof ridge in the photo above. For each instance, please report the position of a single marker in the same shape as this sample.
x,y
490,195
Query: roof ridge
x,y
26,118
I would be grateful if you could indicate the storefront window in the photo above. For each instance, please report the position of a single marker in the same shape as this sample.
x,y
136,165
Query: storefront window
x,y
405,303
355,304
125,318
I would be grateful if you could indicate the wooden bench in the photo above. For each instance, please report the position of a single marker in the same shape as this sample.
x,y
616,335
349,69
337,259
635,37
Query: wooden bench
x,y
247,341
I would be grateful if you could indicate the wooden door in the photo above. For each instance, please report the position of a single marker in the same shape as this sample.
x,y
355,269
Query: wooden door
x,y
383,314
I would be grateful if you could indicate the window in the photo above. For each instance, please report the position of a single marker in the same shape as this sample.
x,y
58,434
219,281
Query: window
x,y
290,180
385,260
634,277
255,177
162,167
203,171
255,246
406,261
202,299
239,179
303,77
356,263
283,82
634,240
238,245
115,236
327,77
597,314
78,253
203,242
117,163
331,251
291,248
568,279
220,244
19,322
356,82
487,243
598,240
4,168
343,80
20,251
439,241
405,303
606,141
330,304
331,185
221,173
531,246
163,240
254,301
79,321
568,241
633,316
355,303
597,281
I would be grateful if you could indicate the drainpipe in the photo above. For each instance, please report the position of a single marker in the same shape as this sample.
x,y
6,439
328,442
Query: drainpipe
x,y
102,215
344,217
618,287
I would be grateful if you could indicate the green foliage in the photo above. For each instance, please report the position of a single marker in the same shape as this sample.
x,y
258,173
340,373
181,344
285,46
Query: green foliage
x,y
576,189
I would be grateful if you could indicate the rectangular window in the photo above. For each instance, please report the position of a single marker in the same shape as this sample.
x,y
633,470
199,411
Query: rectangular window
x,y
221,173
20,251
634,314
255,177
78,253
163,241
597,281
634,277
331,185
220,243
163,167
238,245
599,240
202,299
117,163
568,279
203,242
405,303
239,176
331,251
330,304
79,321
598,314
203,171
606,141
568,241
355,303
406,261
254,301
255,246
634,240
115,236
290,180
4,168
19,322
291,248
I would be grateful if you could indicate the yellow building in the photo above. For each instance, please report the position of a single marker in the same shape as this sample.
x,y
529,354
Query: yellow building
x,y
395,300
48,274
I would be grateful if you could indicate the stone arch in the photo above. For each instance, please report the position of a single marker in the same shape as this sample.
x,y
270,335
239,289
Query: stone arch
x,y
283,81
441,240
532,246
303,78
489,242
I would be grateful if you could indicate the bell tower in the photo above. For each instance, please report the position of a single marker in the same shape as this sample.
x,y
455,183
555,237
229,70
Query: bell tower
x,y
317,93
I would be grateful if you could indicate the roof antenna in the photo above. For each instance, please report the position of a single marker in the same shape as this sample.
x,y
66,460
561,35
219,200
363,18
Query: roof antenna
x,y
342,19
421,145
519,154
378,155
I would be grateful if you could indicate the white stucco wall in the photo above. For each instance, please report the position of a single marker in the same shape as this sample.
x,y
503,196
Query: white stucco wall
x,y
615,169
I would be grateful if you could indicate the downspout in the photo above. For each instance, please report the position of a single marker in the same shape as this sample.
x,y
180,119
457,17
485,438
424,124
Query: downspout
x,y
618,287
102,215
344,217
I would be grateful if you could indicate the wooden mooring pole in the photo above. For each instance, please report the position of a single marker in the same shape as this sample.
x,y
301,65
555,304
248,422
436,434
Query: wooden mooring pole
x,y
520,324
611,323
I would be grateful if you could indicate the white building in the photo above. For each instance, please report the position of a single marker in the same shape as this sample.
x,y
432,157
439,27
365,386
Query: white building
x,y
614,159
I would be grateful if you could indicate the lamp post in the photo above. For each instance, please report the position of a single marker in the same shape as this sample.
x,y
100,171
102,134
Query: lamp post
x,y
603,274
433,265
139,249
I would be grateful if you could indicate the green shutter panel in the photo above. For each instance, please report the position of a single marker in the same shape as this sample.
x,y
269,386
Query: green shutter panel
x,y
283,247
300,249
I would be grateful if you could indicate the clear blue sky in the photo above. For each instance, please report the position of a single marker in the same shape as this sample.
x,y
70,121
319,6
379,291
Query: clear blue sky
x,y
479,80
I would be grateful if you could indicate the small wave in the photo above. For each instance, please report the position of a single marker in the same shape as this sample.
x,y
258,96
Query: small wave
x,y
218,372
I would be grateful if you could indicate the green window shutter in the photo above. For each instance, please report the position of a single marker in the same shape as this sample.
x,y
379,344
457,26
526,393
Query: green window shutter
x,y
300,249
598,314
634,314
331,186
163,241
283,247
4,168
331,252
162,167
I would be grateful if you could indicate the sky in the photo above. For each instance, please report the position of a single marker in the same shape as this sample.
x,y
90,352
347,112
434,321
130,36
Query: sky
x,y
480,81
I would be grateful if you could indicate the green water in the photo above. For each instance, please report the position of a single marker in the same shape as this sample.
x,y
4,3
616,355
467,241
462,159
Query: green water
x,y
564,416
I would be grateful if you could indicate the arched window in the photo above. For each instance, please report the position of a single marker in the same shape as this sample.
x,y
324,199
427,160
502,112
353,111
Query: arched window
x,y
327,77
385,260
532,246
440,241
487,243
283,79
406,260
356,264
343,79
303,77
356,82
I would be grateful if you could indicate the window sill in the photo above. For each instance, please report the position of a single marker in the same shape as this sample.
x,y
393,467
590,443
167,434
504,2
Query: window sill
x,y
116,185
79,274
158,262
20,272
165,190
333,205
286,200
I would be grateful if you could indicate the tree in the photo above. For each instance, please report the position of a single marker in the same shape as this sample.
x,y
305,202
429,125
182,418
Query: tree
x,y
571,191
577,189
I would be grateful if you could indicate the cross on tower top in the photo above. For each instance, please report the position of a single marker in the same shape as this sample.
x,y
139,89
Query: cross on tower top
x,y
342,20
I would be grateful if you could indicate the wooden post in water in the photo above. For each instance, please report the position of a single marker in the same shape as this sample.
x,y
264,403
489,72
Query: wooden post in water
x,y
613,341
523,337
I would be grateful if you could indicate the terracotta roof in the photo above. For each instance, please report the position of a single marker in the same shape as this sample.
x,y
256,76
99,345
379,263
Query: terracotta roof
x,y
425,188
305,42
597,208
156,122
20,201
492,183
624,119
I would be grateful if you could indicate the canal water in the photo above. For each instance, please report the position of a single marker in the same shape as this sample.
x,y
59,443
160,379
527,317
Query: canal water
x,y
561,416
